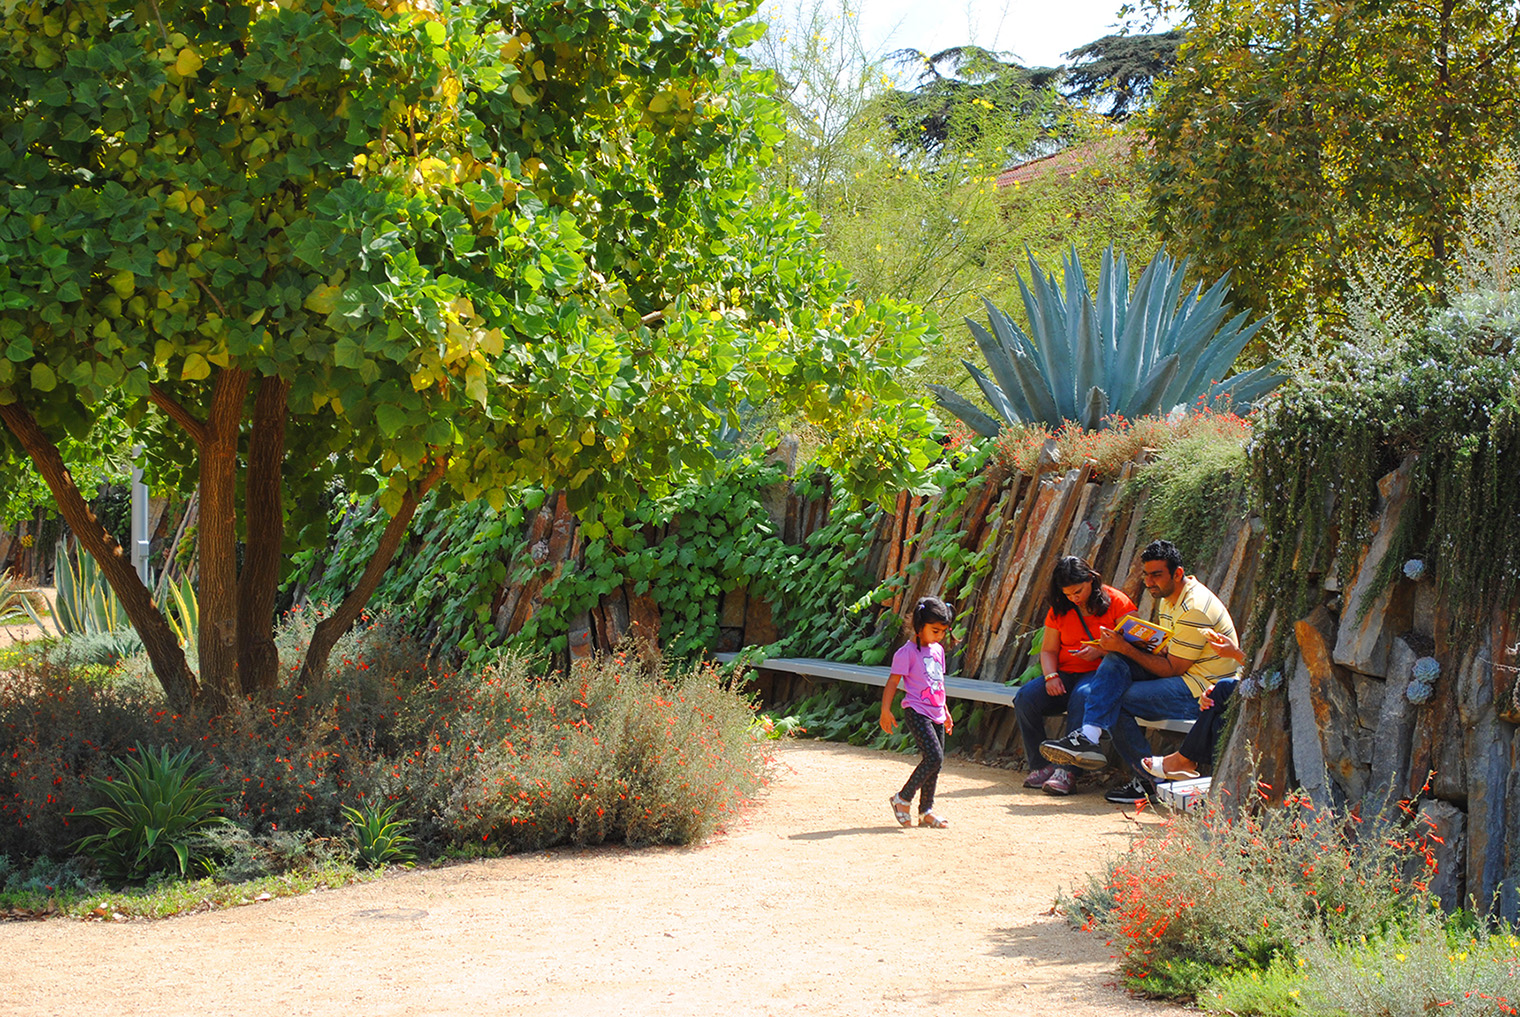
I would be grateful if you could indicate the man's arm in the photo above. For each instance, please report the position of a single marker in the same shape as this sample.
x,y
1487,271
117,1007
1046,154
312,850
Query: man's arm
x,y
1162,665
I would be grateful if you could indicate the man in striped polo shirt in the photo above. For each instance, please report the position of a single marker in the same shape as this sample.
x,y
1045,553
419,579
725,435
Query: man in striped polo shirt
x,y
1132,683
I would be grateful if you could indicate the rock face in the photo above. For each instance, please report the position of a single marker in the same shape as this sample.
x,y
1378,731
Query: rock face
x,y
1261,734
1331,709
1368,625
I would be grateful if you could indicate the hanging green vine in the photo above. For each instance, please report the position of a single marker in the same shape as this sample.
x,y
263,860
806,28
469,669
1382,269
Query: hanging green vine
x,y
1448,399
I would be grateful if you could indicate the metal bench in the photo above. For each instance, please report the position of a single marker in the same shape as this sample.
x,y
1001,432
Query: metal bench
x,y
960,688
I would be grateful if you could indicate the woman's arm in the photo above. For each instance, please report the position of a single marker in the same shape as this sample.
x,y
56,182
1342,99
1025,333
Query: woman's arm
x,y
1050,662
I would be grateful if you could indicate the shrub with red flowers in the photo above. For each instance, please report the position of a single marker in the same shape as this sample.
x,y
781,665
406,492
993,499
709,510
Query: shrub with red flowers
x,y
1120,441
500,758
1218,888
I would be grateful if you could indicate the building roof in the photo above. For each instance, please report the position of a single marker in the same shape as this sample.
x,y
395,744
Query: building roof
x,y
1065,163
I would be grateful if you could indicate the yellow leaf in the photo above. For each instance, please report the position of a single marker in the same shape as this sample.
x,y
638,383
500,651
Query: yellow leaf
x,y
124,283
475,382
491,343
195,369
521,96
188,62
162,351
538,70
178,202
165,257
322,300
660,103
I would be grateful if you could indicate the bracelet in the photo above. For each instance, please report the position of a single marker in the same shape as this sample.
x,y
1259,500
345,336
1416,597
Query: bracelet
x,y
1053,674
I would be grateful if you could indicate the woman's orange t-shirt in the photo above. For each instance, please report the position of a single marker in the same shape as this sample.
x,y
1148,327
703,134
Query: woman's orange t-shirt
x,y
1069,625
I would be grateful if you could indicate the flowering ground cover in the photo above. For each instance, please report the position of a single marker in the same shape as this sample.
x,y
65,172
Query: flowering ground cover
x,y
1287,909
493,760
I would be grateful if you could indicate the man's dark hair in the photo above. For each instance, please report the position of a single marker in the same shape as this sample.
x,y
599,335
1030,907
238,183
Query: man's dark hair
x,y
1070,571
1163,550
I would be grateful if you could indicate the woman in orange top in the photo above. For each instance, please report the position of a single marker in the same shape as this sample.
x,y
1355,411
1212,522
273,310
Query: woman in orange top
x,y
1080,605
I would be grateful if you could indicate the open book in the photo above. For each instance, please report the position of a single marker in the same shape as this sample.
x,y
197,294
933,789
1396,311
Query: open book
x,y
1149,636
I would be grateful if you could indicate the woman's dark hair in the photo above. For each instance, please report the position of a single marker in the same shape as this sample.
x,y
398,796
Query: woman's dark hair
x,y
929,610
1070,571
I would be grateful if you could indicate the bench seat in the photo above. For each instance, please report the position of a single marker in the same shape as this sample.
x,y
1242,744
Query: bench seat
x,y
960,688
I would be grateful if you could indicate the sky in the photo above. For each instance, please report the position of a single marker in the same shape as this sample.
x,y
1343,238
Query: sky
x,y
1038,32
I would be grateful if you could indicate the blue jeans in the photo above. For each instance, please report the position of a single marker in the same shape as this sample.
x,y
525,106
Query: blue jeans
x,y
1121,691
1032,704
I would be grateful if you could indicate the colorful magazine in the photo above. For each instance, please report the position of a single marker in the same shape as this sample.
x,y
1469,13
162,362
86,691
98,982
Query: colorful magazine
x,y
1149,636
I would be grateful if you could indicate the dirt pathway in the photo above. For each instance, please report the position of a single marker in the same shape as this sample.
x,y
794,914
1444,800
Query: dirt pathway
x,y
813,903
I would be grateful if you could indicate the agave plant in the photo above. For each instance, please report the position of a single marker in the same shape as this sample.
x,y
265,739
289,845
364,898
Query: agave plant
x,y
85,604
379,834
1093,357
156,811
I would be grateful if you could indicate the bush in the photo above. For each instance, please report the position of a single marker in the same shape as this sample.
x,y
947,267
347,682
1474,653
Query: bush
x,y
617,749
1432,965
1236,889
1122,441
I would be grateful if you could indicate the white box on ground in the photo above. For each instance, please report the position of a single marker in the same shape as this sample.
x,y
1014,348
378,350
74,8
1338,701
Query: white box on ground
x,y
1184,794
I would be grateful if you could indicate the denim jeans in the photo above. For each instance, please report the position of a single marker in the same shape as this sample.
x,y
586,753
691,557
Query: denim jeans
x,y
1032,704
1121,691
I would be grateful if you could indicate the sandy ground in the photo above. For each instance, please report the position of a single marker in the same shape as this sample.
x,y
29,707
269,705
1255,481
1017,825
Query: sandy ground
x,y
814,902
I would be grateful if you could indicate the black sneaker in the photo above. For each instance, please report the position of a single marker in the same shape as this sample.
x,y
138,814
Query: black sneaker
x,y
1076,750
1133,793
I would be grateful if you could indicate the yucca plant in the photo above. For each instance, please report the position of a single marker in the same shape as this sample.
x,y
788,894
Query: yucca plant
x,y
85,604
183,609
14,601
1091,357
156,812
379,834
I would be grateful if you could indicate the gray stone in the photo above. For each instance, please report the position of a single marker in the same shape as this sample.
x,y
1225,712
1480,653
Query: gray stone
x,y
1394,731
1445,828
1368,625
1369,699
1332,698
1308,752
1423,606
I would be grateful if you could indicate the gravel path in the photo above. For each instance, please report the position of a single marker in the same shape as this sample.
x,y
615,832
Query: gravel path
x,y
815,902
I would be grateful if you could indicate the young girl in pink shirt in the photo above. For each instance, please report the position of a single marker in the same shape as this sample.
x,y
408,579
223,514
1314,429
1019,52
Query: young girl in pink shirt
x,y
919,667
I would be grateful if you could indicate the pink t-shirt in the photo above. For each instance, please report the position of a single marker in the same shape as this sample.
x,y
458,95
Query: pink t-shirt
x,y
923,678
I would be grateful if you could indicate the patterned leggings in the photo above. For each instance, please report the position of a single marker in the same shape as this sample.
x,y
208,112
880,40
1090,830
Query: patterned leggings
x,y
931,744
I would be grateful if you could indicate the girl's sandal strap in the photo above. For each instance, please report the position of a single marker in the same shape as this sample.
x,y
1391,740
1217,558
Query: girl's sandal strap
x,y
901,810
932,819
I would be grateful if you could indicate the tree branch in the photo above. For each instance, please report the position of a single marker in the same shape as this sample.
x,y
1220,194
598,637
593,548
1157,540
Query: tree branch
x,y
181,416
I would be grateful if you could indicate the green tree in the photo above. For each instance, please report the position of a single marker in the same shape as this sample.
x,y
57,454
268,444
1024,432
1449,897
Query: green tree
x,y
1295,136
463,249
1120,71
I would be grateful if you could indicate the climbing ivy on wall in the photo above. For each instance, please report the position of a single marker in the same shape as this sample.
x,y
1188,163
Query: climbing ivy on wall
x,y
1448,395
683,551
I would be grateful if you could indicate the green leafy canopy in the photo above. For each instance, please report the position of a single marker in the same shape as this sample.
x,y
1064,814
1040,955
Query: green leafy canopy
x,y
522,239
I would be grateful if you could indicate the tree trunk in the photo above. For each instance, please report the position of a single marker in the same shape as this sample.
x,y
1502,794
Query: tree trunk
x,y
264,516
217,537
158,638
332,627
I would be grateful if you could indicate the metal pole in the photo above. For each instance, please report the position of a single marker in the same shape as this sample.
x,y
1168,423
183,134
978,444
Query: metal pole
x,y
139,517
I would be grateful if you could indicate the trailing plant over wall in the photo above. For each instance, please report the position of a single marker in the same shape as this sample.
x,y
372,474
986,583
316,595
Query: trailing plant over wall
x,y
1448,395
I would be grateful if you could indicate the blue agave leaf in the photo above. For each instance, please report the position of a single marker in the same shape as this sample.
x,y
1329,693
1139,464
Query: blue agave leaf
x,y
1146,399
966,410
996,397
1049,324
1244,389
1095,408
1215,361
1036,390
1000,359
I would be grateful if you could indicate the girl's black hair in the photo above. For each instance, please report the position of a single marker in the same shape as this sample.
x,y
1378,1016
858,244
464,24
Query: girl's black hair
x,y
1070,571
928,611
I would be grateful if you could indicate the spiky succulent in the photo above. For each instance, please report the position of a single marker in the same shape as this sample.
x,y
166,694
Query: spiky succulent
x,y
1089,358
